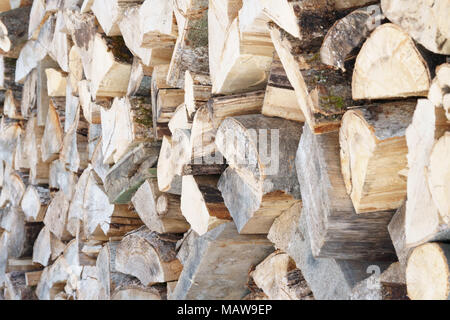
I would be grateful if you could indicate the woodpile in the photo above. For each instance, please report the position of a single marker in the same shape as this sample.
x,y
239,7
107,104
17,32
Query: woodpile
x,y
224,149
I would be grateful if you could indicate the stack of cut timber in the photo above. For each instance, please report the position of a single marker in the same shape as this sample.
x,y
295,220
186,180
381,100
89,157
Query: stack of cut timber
x,y
224,149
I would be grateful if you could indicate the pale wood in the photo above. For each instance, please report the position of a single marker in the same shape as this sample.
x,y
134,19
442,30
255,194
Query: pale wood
x,y
53,135
425,22
14,26
56,83
202,204
427,272
390,45
159,211
373,151
34,202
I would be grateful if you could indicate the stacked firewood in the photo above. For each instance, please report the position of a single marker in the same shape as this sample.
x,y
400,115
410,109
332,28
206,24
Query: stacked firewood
x,y
224,149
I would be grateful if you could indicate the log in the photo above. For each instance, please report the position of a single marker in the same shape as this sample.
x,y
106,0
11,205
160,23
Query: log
x,y
91,109
180,119
14,26
169,166
60,45
348,34
9,134
30,56
34,203
427,272
167,102
191,48
280,99
56,216
43,100
243,53
120,132
322,92
235,105
197,91
75,66
258,186
423,220
280,279
148,256
424,22
11,106
62,179
127,175
159,211
29,94
110,13
330,214
396,230
373,151
52,139
203,266
47,247
405,60
202,204
56,83
438,173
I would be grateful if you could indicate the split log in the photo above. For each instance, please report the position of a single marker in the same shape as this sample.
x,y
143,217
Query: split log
x,y
373,151
56,216
111,67
9,135
425,22
149,256
427,272
110,13
124,124
56,83
30,56
280,99
47,247
322,92
42,99
404,60
127,175
185,245
14,25
62,179
438,175
11,106
13,189
60,45
167,102
191,49
330,214
169,165
52,139
235,105
29,94
91,109
244,50
131,29
396,230
423,221
348,34
34,203
180,119
202,204
257,186
159,211
203,266
158,25
280,279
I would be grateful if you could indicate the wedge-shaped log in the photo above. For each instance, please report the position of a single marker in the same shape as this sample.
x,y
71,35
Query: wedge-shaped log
x,y
52,140
127,175
348,34
425,22
203,266
148,256
109,13
336,230
47,247
323,93
202,204
280,279
257,186
397,232
34,202
32,144
427,272
373,151
127,122
424,222
390,46
56,216
241,49
280,99
159,211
